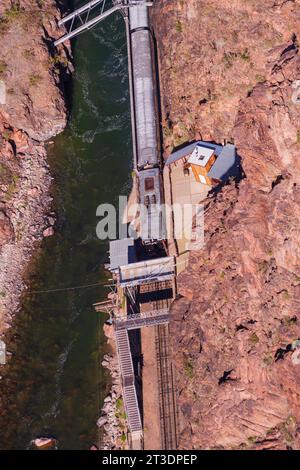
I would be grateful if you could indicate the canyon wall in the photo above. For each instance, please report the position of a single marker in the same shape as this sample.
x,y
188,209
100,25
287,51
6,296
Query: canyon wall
x,y
32,110
228,72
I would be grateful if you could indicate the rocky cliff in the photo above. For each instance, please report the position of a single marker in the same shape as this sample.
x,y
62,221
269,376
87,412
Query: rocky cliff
x,y
229,71
32,109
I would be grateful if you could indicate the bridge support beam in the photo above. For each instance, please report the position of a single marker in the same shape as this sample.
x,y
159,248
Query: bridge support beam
x,y
87,25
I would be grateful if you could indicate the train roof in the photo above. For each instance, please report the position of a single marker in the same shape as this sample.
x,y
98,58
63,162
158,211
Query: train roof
x,y
152,223
151,217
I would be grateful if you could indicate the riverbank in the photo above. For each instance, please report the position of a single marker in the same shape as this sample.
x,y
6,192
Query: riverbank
x,y
32,110
28,213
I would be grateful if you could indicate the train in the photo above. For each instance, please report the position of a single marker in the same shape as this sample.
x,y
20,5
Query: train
x,y
146,134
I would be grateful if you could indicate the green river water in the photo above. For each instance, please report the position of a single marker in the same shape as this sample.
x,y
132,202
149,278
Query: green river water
x,y
54,384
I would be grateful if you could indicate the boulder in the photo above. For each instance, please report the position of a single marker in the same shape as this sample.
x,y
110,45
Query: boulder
x,y
44,443
48,232
101,421
94,447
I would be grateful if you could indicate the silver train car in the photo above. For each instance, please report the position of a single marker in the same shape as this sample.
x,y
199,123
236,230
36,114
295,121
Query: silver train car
x,y
147,137
148,152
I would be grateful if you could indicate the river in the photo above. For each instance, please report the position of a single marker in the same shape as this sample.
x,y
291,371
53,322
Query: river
x,y
54,384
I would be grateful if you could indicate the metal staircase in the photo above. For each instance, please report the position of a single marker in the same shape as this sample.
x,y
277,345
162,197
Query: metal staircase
x,y
129,391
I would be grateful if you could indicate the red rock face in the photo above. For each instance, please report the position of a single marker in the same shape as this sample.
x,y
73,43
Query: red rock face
x,y
236,322
32,109
33,76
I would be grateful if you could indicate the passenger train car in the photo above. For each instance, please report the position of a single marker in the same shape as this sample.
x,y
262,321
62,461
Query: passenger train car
x,y
147,135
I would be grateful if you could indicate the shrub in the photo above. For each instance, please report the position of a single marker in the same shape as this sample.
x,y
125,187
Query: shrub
x,y
34,79
228,59
189,369
28,53
13,13
3,67
245,55
6,135
178,26
3,25
260,78
285,294
6,176
59,60
268,360
253,339
119,404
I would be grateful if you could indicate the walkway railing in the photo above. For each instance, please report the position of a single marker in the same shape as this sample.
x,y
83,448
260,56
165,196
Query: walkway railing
x,y
140,320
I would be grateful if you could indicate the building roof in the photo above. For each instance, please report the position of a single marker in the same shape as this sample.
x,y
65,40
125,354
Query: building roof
x,y
181,153
225,165
188,150
121,252
201,155
159,269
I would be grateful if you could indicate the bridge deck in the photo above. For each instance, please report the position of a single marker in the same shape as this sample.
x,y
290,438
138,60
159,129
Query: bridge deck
x,y
140,320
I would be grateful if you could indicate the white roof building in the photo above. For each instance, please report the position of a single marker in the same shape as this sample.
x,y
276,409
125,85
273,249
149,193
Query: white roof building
x,y
201,155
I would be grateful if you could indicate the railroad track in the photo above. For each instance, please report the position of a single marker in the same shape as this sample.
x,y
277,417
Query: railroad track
x,y
167,400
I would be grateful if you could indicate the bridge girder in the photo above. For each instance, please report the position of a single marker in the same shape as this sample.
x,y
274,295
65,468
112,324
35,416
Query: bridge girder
x,y
83,16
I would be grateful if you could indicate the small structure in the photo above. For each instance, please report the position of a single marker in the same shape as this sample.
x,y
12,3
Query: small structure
x,y
210,163
201,161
